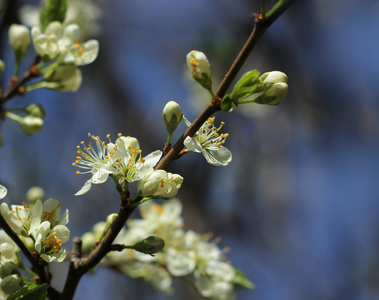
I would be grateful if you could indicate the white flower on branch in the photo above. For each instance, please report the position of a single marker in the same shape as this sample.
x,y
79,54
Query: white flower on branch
x,y
209,142
127,161
73,51
22,218
46,43
48,242
96,161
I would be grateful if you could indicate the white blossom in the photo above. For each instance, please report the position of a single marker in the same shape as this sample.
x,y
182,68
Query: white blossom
x,y
73,51
19,39
127,160
3,191
22,218
200,68
48,242
209,142
95,161
46,43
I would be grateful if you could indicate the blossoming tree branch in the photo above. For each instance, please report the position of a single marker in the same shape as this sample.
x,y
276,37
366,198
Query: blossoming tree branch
x,y
154,248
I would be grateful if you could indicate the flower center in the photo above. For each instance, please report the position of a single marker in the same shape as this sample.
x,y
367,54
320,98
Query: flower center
x,y
52,242
208,135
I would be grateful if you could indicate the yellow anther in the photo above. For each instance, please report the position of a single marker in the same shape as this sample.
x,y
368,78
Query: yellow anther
x,y
117,163
103,143
108,136
162,183
115,147
119,134
89,134
73,164
12,211
110,154
106,146
87,158
82,142
78,172
119,159
218,239
132,151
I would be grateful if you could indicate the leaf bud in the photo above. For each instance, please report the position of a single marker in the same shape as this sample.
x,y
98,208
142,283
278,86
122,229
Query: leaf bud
x,y
150,245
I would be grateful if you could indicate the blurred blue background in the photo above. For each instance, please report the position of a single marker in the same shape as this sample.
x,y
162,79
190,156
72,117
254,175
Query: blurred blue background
x,y
299,203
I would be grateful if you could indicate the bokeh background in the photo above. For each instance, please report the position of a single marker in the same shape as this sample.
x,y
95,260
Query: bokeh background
x,y
299,203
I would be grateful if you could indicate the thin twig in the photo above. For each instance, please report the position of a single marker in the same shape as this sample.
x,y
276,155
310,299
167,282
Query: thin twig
x,y
79,267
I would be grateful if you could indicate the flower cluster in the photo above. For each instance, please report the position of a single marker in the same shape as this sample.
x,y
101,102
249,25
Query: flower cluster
x,y
123,161
40,222
186,253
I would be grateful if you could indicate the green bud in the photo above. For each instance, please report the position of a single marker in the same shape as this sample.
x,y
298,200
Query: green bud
x,y
35,193
19,39
11,284
273,77
88,241
150,245
172,115
110,219
31,125
36,110
2,67
246,85
7,269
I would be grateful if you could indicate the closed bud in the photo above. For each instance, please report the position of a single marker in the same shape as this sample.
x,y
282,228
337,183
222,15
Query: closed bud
x,y
11,284
151,184
274,94
172,115
31,125
150,245
88,241
35,193
273,77
19,39
200,68
7,269
36,110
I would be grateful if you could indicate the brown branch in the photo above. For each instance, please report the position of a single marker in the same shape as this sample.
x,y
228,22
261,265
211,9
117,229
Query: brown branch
x,y
79,266
261,25
16,87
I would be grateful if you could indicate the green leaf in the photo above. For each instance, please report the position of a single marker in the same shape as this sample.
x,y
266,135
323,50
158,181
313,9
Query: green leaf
x,y
31,292
246,85
52,10
241,280
227,104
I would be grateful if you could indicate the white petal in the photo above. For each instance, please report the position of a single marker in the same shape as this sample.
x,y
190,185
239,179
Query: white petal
x,y
192,144
220,157
86,187
99,177
3,191
37,209
63,220
153,158
62,232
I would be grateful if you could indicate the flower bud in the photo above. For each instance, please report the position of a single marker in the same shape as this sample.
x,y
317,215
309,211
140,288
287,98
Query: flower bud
x,y
88,242
172,115
151,184
19,39
273,77
274,94
7,269
35,193
31,125
36,110
11,284
150,245
65,78
200,68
